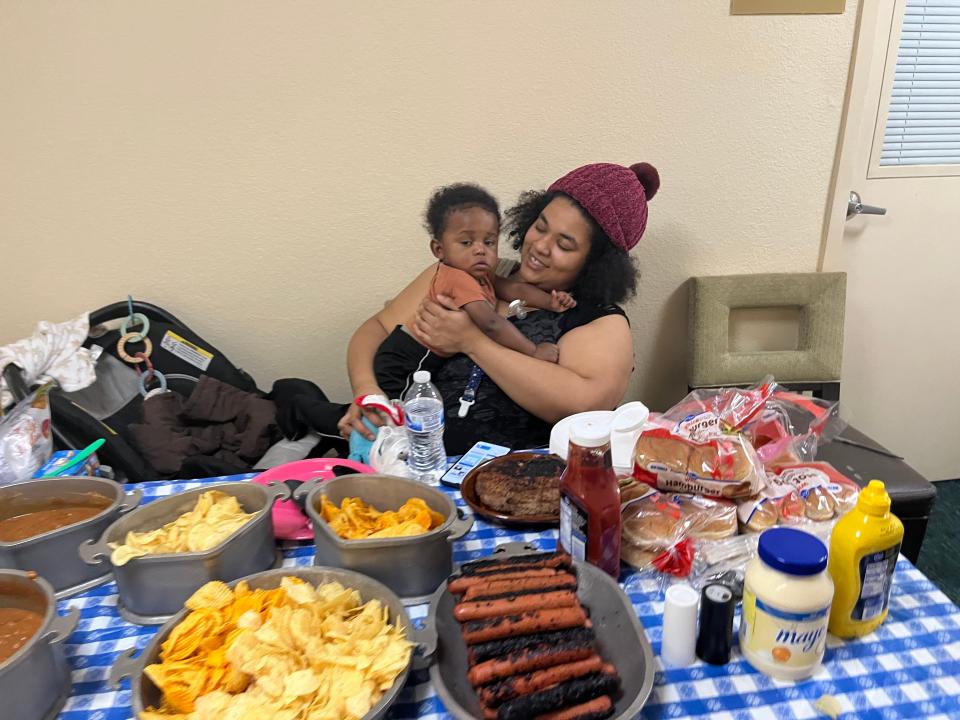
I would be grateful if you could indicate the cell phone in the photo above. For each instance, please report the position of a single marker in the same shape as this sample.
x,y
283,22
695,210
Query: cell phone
x,y
474,456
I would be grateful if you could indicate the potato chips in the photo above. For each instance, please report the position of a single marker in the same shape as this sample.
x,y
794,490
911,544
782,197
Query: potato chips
x,y
214,518
355,520
292,653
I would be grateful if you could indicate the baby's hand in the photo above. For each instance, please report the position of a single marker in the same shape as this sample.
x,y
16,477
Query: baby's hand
x,y
561,301
548,352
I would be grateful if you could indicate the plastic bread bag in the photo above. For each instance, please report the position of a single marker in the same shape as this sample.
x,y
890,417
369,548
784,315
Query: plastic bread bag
x,y
791,427
810,496
696,456
661,531
25,438
731,408
723,561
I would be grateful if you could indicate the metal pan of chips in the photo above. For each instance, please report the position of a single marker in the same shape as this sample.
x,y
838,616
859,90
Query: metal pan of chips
x,y
53,554
620,637
414,566
35,680
154,587
145,694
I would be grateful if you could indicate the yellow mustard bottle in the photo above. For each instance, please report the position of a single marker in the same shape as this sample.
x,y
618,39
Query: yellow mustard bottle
x,y
863,555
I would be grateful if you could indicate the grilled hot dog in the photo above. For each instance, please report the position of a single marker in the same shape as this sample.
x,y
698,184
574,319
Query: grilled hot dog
x,y
526,661
572,692
528,682
460,584
517,585
525,623
575,637
596,709
513,604
551,560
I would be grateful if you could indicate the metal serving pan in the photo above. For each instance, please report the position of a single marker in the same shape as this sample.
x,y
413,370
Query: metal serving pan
x,y
620,636
413,567
153,587
145,694
53,554
35,680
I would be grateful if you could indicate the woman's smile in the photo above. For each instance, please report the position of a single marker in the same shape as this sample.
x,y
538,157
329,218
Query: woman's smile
x,y
535,264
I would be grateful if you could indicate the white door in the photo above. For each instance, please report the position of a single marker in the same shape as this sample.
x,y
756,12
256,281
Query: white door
x,y
901,364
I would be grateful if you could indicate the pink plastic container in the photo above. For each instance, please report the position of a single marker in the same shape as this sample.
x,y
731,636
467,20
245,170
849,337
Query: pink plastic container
x,y
289,521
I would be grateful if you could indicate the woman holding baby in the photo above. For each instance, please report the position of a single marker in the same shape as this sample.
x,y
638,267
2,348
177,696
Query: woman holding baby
x,y
574,270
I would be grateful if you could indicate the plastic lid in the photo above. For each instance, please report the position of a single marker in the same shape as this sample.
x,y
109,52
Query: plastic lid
x,y
793,551
630,418
587,433
873,499
421,376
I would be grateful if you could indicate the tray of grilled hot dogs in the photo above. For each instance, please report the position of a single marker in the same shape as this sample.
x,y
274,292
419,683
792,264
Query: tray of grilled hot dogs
x,y
534,635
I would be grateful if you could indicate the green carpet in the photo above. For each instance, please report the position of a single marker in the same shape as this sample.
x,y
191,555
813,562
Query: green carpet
x,y
939,555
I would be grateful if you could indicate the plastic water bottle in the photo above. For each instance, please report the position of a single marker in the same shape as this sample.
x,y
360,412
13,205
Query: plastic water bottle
x,y
423,412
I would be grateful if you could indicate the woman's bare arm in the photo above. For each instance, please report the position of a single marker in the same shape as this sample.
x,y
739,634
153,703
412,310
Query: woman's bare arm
x,y
368,337
596,361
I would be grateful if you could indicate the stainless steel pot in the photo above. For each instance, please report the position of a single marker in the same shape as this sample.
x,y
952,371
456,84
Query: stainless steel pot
x,y
620,636
153,587
35,681
54,554
413,567
145,694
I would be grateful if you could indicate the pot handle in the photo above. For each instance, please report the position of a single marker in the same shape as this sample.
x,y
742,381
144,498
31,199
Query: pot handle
x,y
461,526
300,494
512,549
278,491
130,501
62,626
94,552
425,646
123,667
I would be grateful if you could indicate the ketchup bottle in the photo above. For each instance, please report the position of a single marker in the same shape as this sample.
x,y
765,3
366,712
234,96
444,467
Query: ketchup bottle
x,y
590,499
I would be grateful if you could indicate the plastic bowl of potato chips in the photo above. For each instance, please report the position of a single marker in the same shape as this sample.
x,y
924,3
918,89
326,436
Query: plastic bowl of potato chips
x,y
284,644
162,552
396,530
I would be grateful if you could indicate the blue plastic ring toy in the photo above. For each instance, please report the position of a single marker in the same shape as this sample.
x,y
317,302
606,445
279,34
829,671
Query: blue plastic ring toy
x,y
135,319
159,376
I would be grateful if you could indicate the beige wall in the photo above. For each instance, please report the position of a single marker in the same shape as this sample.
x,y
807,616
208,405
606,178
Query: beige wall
x,y
259,168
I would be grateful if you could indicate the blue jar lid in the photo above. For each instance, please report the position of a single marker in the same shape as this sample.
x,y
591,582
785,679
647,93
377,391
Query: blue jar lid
x,y
793,551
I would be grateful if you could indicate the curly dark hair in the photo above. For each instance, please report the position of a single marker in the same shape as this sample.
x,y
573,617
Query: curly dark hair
x,y
609,274
450,198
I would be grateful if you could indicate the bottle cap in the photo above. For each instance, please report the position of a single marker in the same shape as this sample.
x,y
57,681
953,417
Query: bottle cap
x,y
874,499
421,376
587,433
792,551
678,645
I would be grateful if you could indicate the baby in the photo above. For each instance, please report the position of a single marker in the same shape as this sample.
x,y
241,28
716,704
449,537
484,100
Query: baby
x,y
464,225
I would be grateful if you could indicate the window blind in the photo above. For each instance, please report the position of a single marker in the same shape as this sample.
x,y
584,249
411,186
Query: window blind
x,y
923,123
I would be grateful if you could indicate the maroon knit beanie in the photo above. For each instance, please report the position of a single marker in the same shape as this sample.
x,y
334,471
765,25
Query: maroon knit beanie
x,y
615,196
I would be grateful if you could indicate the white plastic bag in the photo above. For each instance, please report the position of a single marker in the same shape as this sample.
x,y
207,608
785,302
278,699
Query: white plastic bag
x,y
388,454
25,439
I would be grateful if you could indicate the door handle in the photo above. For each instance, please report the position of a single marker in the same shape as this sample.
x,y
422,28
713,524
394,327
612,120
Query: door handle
x,y
855,207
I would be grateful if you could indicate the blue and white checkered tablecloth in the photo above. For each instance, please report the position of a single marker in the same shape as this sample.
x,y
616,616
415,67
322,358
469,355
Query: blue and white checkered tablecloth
x,y
909,668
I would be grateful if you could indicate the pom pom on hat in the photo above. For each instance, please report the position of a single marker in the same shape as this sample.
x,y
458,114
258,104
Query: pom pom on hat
x,y
649,177
615,197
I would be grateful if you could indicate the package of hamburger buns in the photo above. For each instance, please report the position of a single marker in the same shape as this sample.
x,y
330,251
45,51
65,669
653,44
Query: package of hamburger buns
x,y
812,495
662,531
697,446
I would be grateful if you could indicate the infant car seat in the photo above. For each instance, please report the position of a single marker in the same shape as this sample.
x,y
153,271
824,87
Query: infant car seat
x,y
114,400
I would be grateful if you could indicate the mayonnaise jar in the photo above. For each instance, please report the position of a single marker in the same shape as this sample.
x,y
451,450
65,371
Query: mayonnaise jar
x,y
786,605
